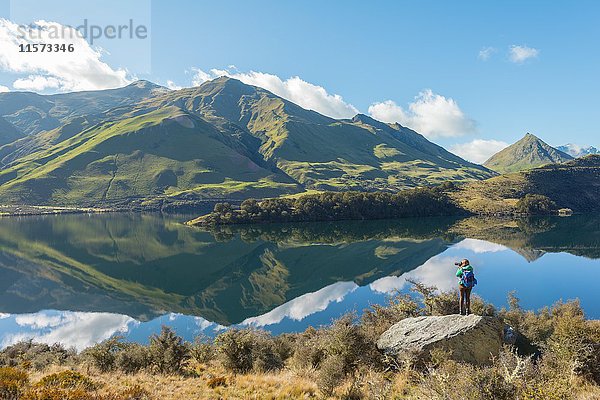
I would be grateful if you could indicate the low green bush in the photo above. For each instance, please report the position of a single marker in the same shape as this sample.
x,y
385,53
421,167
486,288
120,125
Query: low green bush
x,y
36,355
132,358
168,352
203,350
244,350
67,380
104,354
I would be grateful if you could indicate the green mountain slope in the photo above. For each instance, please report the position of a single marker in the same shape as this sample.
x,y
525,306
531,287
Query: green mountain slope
x,y
164,152
16,149
8,132
32,113
223,139
574,184
527,153
320,152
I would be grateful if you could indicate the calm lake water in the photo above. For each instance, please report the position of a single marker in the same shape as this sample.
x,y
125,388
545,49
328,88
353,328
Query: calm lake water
x,y
78,279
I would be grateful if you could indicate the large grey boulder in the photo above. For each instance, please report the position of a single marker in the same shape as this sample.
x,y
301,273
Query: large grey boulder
x,y
471,338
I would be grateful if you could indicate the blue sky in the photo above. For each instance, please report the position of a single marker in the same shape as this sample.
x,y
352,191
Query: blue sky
x,y
396,53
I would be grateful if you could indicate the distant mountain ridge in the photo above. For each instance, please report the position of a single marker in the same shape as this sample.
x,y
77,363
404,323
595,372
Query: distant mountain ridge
x,y
529,152
573,184
575,150
223,139
42,121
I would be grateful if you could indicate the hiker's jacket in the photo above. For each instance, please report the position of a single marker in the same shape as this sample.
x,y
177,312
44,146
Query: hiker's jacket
x,y
460,270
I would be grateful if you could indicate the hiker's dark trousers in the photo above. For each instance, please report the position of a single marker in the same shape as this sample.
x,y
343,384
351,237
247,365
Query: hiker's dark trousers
x,y
465,300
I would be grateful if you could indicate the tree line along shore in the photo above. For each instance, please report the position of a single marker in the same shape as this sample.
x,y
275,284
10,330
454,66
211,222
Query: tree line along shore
x,y
339,206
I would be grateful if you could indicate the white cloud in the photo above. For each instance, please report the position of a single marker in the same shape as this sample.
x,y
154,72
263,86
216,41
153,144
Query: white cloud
x,y
73,329
435,272
200,76
4,89
294,89
305,305
388,284
39,320
173,86
37,83
480,246
4,315
81,69
520,54
204,324
431,114
486,52
478,150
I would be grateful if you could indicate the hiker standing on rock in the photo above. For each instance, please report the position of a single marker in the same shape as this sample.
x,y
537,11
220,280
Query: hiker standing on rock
x,y
465,285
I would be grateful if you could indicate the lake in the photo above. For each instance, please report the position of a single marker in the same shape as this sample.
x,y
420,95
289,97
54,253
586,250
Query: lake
x,y
79,279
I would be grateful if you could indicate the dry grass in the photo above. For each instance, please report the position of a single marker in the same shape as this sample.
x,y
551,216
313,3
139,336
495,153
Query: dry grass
x,y
282,385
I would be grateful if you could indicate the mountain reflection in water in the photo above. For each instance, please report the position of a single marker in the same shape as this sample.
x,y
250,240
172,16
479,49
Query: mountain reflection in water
x,y
79,279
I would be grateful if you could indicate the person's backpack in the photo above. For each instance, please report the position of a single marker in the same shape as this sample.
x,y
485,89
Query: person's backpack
x,y
468,279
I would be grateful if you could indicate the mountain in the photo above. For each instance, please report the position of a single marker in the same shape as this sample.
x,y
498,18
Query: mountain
x,y
221,140
527,153
32,113
573,184
8,132
47,120
575,150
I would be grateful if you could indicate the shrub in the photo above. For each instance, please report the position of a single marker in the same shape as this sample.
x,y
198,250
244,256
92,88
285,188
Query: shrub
x,y
456,381
132,358
346,339
535,204
284,345
447,303
480,307
52,393
104,354
203,350
490,383
331,374
336,351
577,342
12,382
308,353
243,350
168,352
36,355
235,347
67,380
